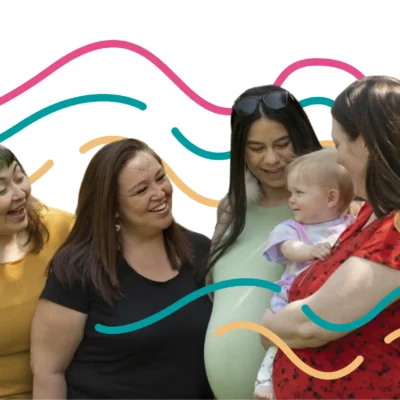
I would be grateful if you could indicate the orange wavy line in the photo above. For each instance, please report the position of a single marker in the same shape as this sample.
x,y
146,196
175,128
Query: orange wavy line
x,y
289,352
327,143
170,172
392,336
41,171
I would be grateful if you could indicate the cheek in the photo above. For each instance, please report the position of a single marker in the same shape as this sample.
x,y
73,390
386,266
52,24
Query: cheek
x,y
168,188
287,154
341,157
5,202
130,208
253,159
26,188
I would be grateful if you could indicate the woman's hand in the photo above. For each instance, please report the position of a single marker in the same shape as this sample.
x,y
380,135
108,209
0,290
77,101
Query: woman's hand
x,y
268,314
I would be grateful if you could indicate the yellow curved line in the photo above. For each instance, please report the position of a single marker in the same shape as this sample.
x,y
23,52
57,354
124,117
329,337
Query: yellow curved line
x,y
41,171
186,189
98,142
392,336
173,176
327,143
288,352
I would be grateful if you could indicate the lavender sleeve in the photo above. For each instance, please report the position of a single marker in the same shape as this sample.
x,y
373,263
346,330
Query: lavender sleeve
x,y
287,230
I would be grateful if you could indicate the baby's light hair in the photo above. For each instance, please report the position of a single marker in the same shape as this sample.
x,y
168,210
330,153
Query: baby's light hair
x,y
320,168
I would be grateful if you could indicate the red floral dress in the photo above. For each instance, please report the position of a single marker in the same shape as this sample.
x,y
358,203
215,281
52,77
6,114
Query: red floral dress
x,y
378,377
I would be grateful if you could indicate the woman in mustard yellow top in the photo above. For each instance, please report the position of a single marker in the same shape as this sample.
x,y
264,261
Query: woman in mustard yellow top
x,y
30,233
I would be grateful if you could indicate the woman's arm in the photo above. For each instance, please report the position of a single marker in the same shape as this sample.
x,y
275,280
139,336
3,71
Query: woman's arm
x,y
55,335
350,293
220,228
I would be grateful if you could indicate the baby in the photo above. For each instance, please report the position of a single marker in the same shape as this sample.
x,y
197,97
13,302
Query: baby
x,y
321,192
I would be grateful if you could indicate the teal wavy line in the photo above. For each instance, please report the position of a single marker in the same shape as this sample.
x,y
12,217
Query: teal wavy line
x,y
89,98
115,98
116,330
210,155
314,101
355,324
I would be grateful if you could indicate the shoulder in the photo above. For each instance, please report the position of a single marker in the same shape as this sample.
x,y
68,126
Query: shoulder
x,y
383,244
290,227
55,215
57,221
223,207
198,241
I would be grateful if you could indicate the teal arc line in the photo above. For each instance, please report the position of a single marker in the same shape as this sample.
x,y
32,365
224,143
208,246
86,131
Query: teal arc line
x,y
89,98
316,101
114,98
354,324
218,156
198,151
253,282
229,283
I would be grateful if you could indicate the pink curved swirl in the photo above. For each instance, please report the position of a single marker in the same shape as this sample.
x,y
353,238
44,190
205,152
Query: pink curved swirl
x,y
167,71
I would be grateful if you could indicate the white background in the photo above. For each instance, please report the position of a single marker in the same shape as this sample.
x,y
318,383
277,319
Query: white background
x,y
218,48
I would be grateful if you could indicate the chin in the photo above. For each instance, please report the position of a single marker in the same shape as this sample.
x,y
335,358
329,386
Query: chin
x,y
166,223
275,184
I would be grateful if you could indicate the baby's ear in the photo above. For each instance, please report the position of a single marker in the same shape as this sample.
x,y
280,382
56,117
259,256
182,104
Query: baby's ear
x,y
333,198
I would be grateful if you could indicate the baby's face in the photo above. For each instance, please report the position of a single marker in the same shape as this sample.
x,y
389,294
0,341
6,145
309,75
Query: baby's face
x,y
310,203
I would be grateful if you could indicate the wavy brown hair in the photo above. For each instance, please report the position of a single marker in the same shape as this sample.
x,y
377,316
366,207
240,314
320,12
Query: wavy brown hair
x,y
37,231
370,108
89,254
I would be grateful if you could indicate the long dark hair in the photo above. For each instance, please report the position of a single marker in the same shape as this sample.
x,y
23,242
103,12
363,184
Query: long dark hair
x,y
37,231
89,254
303,138
370,107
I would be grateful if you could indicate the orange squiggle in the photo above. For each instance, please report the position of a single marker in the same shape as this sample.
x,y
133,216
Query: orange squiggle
x,y
327,143
170,172
41,171
392,336
289,352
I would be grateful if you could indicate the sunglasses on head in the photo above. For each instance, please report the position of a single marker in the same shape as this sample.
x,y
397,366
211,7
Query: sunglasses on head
x,y
274,100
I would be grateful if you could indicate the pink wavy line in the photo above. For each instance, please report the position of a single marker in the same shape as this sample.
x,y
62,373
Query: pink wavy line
x,y
317,62
121,45
166,70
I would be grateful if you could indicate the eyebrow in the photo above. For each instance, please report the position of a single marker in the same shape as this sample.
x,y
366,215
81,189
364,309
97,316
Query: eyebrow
x,y
145,181
275,141
2,178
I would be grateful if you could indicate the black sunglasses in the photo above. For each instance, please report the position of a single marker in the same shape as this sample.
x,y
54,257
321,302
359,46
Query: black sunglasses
x,y
274,100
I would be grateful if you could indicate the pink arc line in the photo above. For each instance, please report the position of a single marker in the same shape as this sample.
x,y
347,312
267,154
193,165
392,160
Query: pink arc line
x,y
166,70
317,62
121,45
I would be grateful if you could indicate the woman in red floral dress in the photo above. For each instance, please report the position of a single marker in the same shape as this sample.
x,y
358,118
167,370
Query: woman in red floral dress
x,y
363,268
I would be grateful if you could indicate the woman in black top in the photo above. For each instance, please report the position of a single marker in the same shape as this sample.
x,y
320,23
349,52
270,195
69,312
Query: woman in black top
x,y
124,260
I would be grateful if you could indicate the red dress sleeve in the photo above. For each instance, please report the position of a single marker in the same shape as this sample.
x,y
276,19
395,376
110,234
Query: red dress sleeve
x,y
383,247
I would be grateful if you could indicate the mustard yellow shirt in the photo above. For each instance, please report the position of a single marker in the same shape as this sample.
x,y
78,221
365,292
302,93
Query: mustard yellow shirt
x,y
21,283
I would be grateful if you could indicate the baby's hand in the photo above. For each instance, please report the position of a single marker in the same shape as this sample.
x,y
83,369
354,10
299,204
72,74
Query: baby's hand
x,y
321,251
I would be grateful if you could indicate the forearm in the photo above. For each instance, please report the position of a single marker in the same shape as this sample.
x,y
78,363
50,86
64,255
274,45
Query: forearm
x,y
293,327
296,251
49,386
